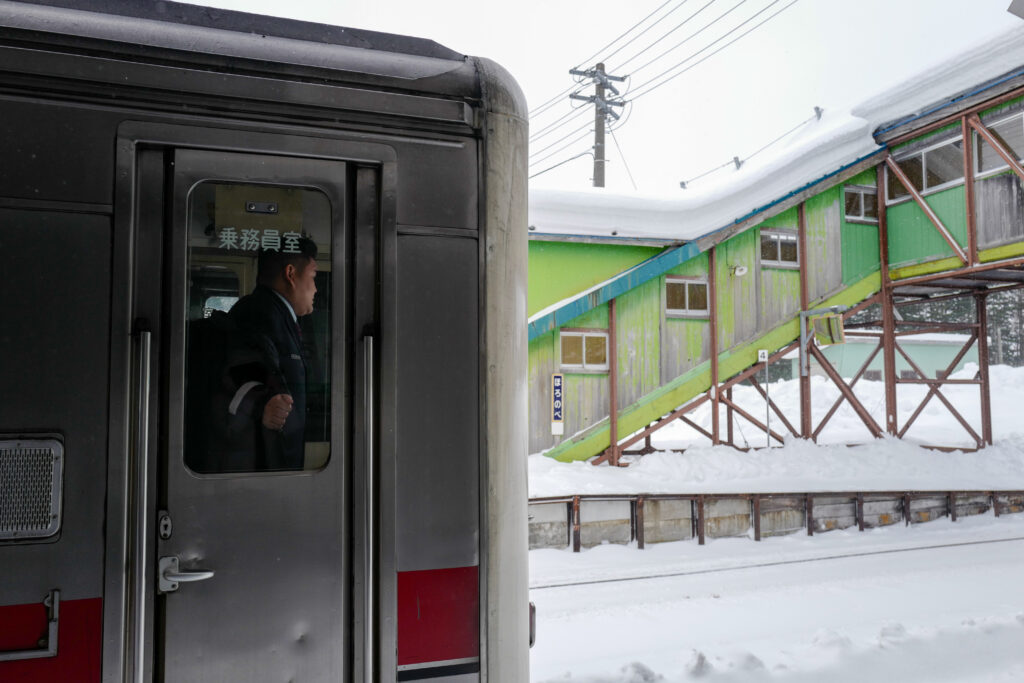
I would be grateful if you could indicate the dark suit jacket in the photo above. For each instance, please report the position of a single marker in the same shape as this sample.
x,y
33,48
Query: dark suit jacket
x,y
265,319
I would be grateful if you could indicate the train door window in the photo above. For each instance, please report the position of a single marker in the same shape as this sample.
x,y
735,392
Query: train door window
x,y
257,370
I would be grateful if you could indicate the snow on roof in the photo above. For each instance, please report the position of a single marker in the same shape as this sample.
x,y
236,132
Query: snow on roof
x,y
818,149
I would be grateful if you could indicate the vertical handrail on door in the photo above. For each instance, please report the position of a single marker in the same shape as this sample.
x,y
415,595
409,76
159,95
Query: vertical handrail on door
x,y
139,487
369,640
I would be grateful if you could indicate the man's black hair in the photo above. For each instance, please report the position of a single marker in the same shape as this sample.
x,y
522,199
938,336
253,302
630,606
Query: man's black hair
x,y
272,263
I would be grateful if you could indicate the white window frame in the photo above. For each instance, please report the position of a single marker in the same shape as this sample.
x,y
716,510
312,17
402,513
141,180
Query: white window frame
x,y
779,236
687,312
924,192
583,333
862,190
1002,168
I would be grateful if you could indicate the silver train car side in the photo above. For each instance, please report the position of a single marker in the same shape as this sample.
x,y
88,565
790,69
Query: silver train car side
x,y
148,153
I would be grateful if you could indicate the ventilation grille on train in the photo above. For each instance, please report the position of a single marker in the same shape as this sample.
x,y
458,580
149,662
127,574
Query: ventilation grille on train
x,y
31,471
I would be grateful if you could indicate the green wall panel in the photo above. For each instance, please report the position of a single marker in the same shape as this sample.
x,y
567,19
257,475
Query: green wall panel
x,y
638,335
859,240
558,270
913,238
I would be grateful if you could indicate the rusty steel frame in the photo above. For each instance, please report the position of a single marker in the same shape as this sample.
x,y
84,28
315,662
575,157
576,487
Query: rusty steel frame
x,y
972,279
612,453
699,501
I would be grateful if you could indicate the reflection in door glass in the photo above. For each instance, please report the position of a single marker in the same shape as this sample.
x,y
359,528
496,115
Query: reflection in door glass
x,y
257,367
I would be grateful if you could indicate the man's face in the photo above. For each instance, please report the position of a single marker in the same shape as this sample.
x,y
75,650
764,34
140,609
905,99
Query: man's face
x,y
303,287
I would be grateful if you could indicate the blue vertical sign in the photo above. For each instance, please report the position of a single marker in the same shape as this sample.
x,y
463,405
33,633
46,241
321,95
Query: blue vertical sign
x,y
557,404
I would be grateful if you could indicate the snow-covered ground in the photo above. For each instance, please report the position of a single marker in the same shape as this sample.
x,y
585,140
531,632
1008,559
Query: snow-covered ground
x,y
940,601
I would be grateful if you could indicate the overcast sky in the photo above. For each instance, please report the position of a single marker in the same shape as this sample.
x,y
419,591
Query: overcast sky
x,y
744,94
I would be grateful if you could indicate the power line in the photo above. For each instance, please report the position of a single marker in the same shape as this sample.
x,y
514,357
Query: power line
x,y
568,144
738,162
703,59
666,35
561,139
623,157
547,104
564,120
631,40
689,37
627,32
541,108
582,154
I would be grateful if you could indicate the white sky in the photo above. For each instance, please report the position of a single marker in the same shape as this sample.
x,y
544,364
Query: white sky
x,y
827,53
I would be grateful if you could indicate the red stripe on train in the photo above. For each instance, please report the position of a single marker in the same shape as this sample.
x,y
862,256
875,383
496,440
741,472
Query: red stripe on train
x,y
79,642
438,615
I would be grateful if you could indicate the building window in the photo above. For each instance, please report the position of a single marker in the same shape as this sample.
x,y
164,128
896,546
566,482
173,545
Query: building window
x,y
861,204
779,249
873,375
686,297
1010,132
584,350
929,170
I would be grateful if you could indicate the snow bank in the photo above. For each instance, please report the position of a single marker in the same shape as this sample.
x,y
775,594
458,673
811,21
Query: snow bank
x,y
800,466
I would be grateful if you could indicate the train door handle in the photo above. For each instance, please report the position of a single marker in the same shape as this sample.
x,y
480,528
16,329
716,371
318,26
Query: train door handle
x,y
170,576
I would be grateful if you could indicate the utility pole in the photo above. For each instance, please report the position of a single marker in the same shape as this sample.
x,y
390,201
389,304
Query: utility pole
x,y
602,110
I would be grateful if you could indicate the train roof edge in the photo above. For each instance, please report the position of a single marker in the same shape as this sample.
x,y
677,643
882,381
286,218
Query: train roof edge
x,y
195,33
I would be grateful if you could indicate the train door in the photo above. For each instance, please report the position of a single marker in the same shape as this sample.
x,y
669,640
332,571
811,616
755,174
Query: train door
x,y
249,563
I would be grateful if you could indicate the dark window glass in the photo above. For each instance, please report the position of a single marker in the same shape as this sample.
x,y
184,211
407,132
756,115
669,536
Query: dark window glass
x,y
944,164
597,350
572,349
236,362
853,204
896,189
698,296
913,169
769,247
675,296
870,200
1011,134
787,250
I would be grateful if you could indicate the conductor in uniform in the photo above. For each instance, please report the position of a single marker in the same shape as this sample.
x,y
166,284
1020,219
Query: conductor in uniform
x,y
269,316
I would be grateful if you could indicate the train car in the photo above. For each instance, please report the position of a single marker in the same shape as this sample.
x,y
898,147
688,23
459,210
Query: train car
x,y
149,154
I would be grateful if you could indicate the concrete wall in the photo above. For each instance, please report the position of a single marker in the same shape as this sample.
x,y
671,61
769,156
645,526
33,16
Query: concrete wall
x,y
666,520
